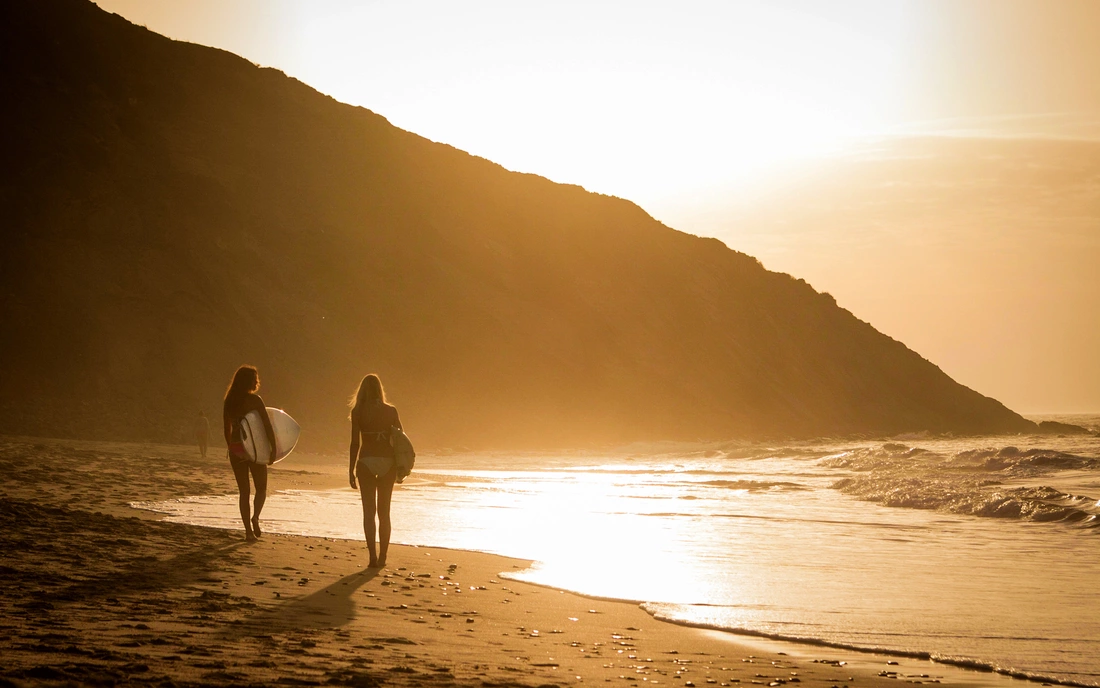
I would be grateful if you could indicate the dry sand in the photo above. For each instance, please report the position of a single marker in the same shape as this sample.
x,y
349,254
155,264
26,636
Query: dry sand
x,y
95,592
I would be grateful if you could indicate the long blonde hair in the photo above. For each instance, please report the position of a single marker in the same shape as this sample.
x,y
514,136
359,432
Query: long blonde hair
x,y
370,391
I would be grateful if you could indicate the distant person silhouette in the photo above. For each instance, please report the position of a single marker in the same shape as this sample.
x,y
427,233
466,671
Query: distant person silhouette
x,y
372,461
202,432
240,399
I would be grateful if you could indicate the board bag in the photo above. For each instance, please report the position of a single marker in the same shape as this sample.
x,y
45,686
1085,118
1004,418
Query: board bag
x,y
403,453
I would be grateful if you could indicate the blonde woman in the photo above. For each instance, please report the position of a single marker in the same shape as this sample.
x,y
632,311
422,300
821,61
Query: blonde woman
x,y
372,462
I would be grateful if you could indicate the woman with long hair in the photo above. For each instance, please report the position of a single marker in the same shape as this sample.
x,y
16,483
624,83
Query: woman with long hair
x,y
372,461
240,399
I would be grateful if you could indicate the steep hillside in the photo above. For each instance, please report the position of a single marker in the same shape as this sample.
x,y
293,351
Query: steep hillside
x,y
980,253
171,211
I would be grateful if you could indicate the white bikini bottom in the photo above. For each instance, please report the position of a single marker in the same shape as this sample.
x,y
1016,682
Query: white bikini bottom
x,y
377,465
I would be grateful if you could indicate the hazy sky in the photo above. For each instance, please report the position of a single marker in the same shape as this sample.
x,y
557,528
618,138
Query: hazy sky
x,y
659,101
689,107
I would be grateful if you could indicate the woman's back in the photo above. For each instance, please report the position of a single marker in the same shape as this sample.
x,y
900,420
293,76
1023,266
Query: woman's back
x,y
240,399
236,407
372,468
375,420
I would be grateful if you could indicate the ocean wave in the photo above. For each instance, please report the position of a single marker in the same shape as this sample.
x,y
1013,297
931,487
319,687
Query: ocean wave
x,y
1009,461
873,458
966,482
972,497
753,485
1014,461
667,613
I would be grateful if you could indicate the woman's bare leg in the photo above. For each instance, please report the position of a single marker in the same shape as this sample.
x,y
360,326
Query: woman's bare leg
x,y
240,473
259,476
368,484
385,493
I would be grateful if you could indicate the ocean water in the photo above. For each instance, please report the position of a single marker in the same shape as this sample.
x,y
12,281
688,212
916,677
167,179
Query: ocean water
x,y
982,552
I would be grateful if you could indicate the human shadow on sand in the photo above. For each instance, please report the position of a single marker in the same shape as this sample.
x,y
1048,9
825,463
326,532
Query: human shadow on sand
x,y
329,607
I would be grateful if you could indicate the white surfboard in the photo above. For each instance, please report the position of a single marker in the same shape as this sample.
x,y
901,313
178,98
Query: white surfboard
x,y
255,438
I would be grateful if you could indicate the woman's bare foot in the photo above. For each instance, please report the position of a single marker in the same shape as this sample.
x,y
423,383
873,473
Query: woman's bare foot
x,y
256,526
251,538
381,563
372,564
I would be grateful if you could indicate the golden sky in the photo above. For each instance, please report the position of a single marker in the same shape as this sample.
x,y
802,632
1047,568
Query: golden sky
x,y
699,111
652,101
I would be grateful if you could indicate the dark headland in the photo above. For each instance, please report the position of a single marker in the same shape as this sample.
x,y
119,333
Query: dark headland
x,y
171,211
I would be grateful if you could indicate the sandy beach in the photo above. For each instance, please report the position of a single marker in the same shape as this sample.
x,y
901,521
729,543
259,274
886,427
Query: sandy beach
x,y
97,592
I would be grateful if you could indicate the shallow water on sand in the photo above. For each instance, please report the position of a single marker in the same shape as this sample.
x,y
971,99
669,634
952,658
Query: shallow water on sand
x,y
982,551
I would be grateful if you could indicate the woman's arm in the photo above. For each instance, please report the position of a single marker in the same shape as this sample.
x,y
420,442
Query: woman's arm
x,y
354,450
270,431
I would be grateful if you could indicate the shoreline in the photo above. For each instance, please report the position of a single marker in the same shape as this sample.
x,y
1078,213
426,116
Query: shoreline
x,y
103,591
905,662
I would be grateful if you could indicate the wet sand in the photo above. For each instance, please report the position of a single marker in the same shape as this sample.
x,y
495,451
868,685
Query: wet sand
x,y
97,592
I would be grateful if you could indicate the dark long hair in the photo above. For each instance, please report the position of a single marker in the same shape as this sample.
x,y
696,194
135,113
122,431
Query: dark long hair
x,y
245,381
370,391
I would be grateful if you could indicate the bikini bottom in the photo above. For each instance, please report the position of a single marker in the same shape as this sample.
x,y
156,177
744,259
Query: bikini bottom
x,y
377,465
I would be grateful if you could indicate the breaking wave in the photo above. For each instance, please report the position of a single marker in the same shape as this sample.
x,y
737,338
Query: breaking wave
x,y
1021,463
973,498
968,482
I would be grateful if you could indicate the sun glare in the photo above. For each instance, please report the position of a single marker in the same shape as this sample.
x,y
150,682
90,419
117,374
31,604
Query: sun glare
x,y
642,101
653,102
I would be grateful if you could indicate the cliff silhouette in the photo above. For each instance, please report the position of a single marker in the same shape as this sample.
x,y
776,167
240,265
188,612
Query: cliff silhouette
x,y
171,211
